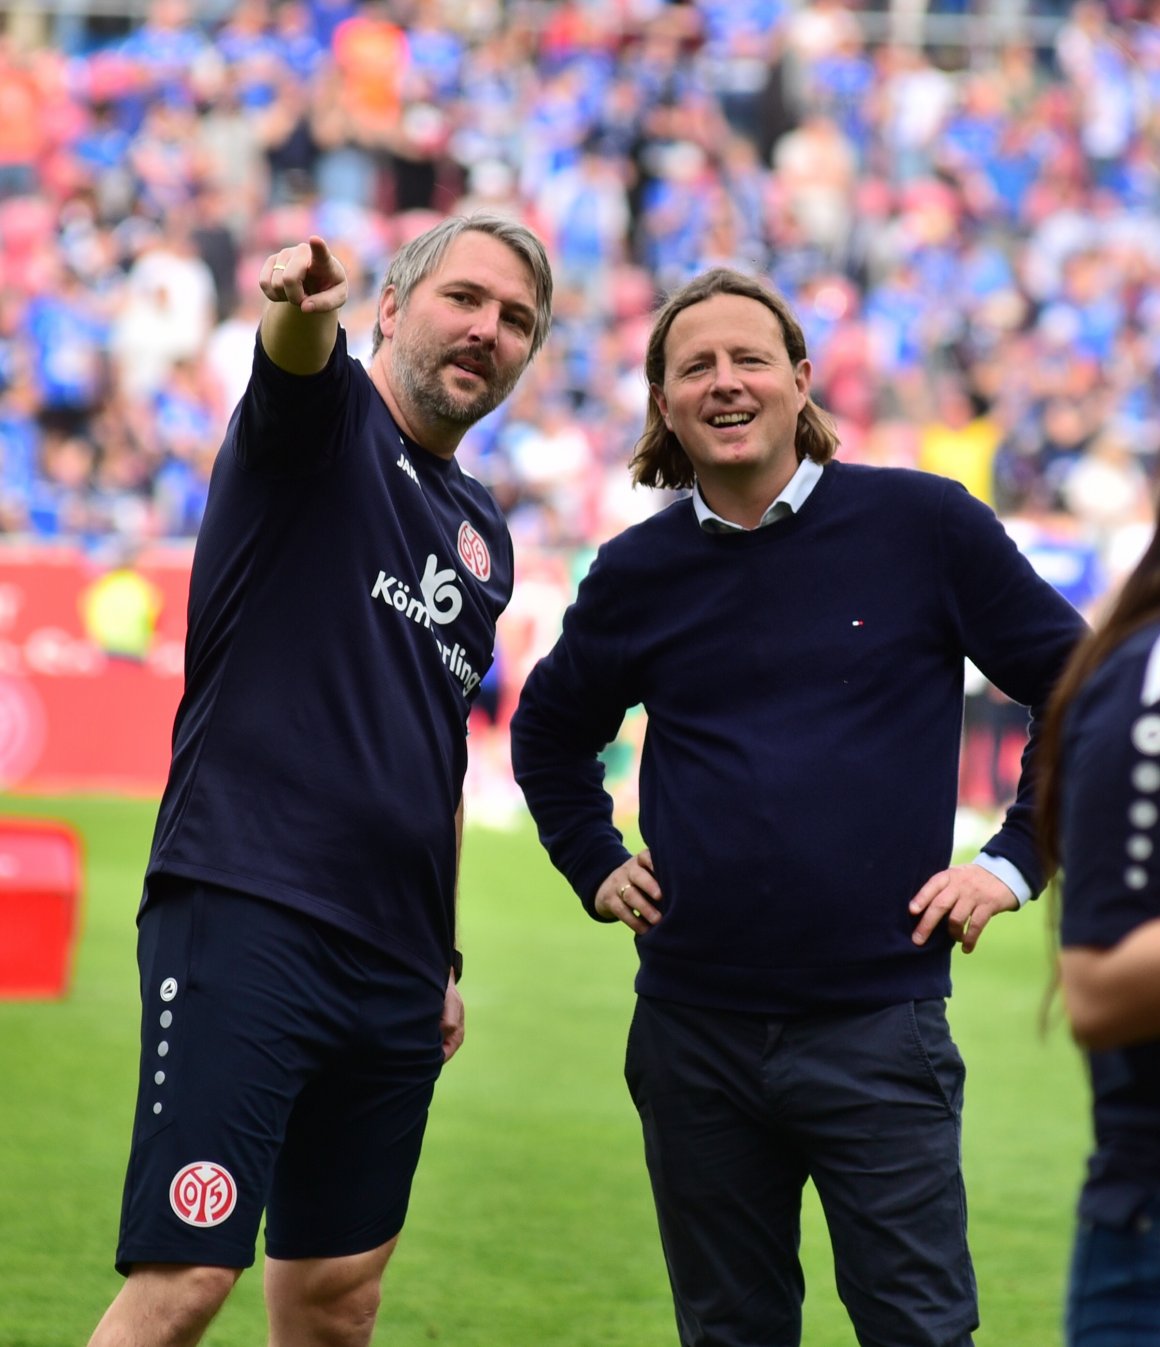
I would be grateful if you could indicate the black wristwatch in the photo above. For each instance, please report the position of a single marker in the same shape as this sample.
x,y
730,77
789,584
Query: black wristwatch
x,y
457,965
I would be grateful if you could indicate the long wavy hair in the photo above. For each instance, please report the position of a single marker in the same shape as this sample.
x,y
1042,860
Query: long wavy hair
x,y
658,459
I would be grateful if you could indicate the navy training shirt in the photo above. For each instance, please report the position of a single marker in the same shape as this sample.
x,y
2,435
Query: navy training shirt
x,y
343,603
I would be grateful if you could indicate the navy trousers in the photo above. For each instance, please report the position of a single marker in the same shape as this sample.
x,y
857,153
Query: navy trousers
x,y
739,1110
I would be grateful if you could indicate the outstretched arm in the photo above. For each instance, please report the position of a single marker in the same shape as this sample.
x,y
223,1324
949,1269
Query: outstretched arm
x,y
306,286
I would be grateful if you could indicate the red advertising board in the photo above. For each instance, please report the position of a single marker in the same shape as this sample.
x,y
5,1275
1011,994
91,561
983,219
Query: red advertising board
x,y
91,661
90,668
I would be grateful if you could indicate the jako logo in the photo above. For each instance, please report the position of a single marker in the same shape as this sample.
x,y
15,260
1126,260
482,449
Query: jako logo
x,y
203,1193
405,463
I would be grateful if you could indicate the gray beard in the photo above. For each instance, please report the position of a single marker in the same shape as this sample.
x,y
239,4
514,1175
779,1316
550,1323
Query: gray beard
x,y
423,388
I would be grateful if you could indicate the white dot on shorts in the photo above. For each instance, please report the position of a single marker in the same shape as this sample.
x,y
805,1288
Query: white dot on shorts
x,y
162,1048
1143,814
159,1078
156,1108
166,1018
1139,847
1136,877
1146,777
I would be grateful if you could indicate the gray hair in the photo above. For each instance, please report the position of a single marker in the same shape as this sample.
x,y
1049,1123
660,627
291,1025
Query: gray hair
x,y
416,260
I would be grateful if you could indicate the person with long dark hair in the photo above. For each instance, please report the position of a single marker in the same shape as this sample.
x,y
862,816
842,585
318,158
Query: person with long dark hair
x,y
1099,803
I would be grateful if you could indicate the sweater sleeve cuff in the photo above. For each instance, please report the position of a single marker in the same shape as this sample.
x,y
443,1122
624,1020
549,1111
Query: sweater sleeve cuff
x,y
1008,873
596,871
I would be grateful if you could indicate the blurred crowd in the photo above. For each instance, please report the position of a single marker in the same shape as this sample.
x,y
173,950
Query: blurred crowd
x,y
967,229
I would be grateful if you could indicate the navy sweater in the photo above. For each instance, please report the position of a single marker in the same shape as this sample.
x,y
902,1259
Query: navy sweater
x,y
342,610
803,685
1110,829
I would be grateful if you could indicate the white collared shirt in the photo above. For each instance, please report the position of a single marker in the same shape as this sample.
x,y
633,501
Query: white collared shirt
x,y
789,501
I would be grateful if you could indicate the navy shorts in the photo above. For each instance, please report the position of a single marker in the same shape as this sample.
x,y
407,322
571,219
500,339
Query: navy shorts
x,y
286,1067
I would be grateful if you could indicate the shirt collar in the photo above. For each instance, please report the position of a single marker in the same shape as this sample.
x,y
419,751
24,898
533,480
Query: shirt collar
x,y
788,501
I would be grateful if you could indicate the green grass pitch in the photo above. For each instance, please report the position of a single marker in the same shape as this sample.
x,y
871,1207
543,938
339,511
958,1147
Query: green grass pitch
x,y
531,1223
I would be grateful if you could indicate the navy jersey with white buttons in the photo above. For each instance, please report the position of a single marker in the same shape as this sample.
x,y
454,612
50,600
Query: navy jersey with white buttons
x,y
1110,831
343,603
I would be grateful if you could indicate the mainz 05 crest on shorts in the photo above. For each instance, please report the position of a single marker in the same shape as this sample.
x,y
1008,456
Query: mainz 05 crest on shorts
x,y
203,1193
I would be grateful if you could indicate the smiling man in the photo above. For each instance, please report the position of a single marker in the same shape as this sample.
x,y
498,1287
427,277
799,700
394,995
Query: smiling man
x,y
796,631
297,932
